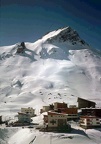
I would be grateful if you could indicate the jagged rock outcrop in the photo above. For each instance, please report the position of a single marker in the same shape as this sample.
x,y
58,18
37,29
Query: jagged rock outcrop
x,y
21,48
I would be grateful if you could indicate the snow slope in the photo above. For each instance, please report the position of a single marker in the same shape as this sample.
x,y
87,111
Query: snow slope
x,y
58,67
36,137
33,136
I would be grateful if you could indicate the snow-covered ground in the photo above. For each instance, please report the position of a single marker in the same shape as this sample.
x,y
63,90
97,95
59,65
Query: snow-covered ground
x,y
58,67
32,136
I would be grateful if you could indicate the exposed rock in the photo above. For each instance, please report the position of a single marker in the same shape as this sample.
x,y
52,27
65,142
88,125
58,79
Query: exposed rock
x,y
67,34
21,48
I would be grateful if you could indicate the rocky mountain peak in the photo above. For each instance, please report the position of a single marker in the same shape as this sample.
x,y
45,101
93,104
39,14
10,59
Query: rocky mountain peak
x,y
64,35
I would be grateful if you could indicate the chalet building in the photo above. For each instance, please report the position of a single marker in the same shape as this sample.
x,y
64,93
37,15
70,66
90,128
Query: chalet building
x,y
91,111
0,119
23,118
56,121
89,122
83,103
30,111
58,105
71,112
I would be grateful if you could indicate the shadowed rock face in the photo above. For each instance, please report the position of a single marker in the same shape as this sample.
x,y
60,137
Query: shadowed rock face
x,y
23,45
67,34
21,48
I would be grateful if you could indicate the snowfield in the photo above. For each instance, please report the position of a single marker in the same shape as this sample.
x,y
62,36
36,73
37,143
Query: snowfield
x,y
58,67
33,136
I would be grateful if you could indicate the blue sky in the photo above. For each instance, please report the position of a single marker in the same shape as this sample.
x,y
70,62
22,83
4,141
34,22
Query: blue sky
x,y
28,20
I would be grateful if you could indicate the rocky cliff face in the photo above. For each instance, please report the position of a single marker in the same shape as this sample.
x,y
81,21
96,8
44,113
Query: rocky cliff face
x,y
67,34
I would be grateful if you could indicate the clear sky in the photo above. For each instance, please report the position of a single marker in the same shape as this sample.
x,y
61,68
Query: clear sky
x,y
28,20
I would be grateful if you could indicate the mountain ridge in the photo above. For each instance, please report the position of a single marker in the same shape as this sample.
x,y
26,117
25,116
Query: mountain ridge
x,y
49,66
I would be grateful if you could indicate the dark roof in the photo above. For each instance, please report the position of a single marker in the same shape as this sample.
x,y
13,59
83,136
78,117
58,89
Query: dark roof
x,y
85,100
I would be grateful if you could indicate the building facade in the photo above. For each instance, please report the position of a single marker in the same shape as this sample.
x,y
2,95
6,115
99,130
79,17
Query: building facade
x,y
72,113
89,121
56,119
30,111
91,111
58,105
23,118
45,109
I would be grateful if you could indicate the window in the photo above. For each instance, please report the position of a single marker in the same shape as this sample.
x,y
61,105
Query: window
x,y
98,122
53,122
88,119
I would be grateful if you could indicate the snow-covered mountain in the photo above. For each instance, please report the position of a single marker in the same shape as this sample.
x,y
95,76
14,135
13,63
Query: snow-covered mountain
x,y
58,67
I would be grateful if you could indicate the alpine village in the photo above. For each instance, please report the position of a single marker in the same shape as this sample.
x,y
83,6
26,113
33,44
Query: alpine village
x,y
57,116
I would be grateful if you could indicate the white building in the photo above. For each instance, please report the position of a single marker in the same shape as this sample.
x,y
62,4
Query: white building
x,y
56,119
29,111
46,108
89,121
23,118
